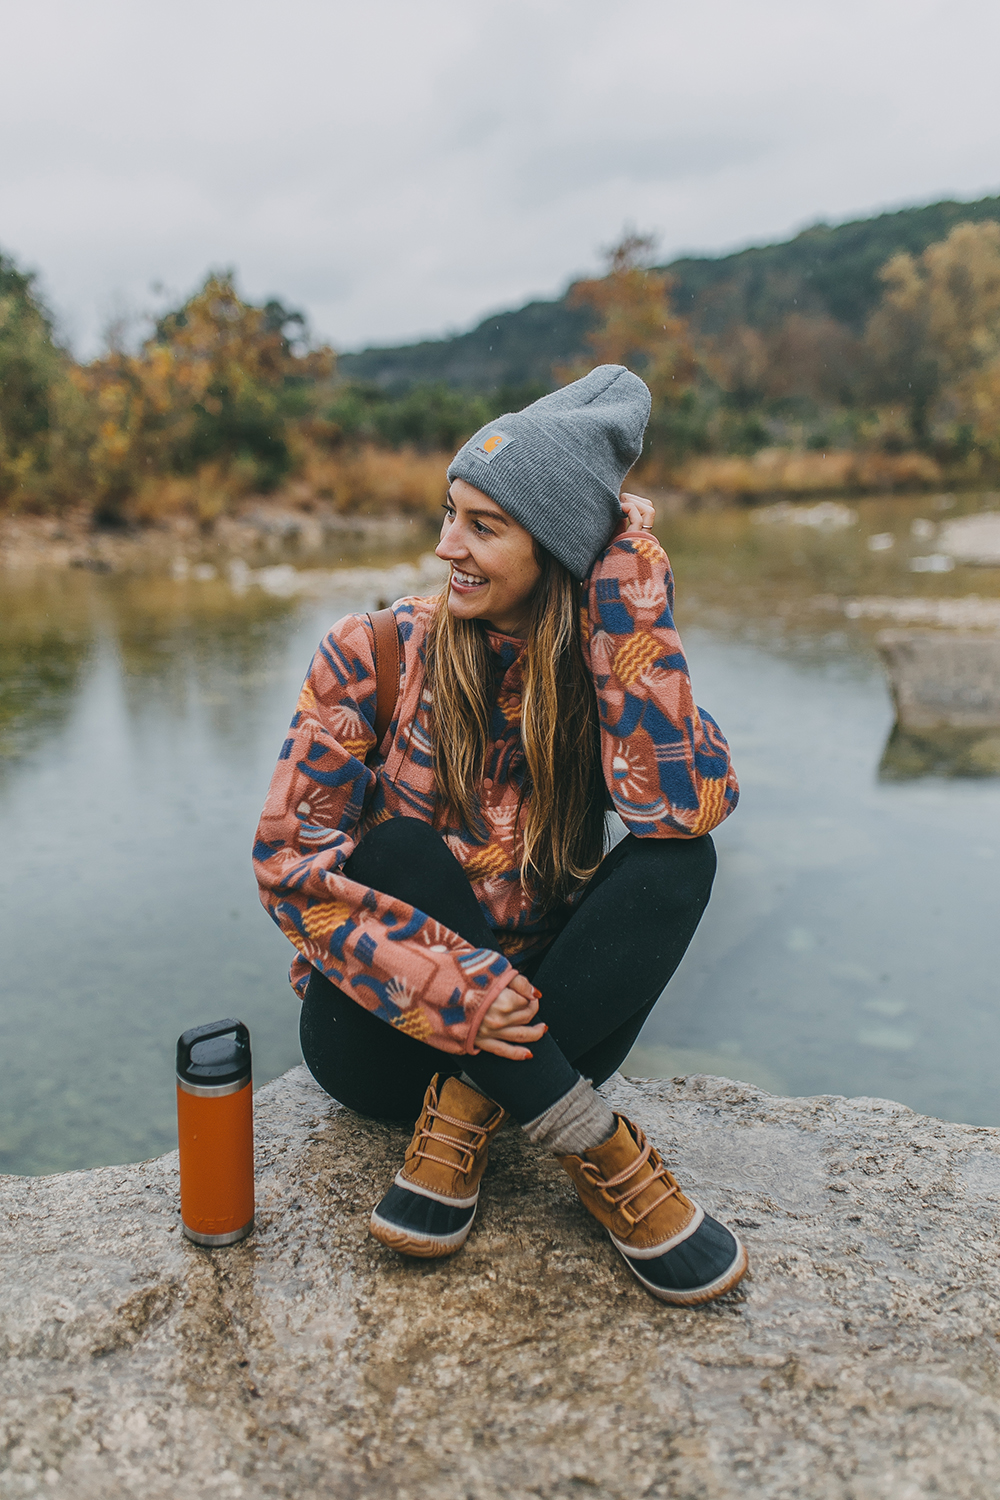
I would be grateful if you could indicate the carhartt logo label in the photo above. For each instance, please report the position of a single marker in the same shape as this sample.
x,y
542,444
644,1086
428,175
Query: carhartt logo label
x,y
487,450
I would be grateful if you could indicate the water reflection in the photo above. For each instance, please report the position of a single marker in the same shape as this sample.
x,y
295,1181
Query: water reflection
x,y
851,945
45,640
909,755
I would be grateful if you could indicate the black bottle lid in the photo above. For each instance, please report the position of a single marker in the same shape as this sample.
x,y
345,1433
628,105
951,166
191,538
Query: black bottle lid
x,y
214,1054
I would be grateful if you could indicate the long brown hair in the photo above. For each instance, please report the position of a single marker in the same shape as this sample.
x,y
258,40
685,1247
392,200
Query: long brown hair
x,y
564,787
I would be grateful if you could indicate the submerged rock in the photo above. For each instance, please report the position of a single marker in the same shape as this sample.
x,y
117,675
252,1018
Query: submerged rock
x,y
962,753
943,680
859,1359
973,539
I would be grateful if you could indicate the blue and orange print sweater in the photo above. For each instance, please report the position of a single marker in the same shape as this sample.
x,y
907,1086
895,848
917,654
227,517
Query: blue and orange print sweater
x,y
666,765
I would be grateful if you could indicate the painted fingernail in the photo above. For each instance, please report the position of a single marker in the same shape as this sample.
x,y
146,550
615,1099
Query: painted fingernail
x,y
536,993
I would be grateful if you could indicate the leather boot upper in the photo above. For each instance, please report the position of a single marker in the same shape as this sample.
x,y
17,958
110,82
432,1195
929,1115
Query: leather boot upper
x,y
447,1155
626,1187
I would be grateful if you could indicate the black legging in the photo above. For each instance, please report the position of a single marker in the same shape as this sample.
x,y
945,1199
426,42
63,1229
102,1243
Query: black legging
x,y
599,979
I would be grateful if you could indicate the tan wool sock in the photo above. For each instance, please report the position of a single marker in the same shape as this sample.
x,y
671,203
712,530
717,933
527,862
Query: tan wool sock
x,y
577,1122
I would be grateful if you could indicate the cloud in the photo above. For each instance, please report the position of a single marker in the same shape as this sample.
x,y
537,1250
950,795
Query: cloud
x,y
399,169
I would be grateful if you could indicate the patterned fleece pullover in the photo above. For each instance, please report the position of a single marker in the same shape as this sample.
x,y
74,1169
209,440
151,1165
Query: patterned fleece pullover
x,y
665,761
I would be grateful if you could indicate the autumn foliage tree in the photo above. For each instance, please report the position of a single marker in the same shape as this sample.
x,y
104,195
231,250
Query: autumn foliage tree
x,y
208,398
804,358
42,423
934,341
636,326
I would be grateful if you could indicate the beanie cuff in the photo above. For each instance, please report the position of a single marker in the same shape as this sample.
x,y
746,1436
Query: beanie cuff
x,y
574,533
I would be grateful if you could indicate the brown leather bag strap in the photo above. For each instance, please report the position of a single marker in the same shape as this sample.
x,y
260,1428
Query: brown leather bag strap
x,y
383,623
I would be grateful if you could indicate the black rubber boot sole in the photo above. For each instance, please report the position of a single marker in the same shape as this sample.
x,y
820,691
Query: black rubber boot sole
x,y
706,1265
415,1224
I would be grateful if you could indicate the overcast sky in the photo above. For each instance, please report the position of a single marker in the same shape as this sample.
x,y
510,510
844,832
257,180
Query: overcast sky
x,y
399,168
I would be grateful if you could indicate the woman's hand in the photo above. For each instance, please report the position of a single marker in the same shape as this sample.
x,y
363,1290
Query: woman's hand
x,y
506,1026
638,512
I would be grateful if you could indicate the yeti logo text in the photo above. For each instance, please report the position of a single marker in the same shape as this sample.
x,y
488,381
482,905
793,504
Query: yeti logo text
x,y
487,450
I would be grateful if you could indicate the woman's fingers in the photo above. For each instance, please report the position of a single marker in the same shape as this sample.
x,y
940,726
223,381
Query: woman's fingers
x,y
639,512
639,501
509,1006
510,1002
513,1016
503,1049
514,1042
523,1034
496,1025
524,1031
506,1023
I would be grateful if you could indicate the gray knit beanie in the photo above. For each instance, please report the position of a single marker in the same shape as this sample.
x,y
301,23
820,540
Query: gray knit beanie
x,y
557,466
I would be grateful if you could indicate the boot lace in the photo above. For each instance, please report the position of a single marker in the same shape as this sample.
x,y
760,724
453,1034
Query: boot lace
x,y
658,1173
468,1150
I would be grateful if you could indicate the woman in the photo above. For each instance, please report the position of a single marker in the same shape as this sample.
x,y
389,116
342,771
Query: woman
x,y
466,948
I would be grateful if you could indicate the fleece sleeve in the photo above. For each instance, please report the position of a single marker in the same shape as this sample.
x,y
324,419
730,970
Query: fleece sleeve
x,y
397,962
666,762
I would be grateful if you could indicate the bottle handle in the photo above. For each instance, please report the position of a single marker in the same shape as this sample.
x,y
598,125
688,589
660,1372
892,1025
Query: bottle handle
x,y
189,1039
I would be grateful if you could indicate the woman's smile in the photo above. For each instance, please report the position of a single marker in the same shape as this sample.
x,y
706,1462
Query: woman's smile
x,y
466,583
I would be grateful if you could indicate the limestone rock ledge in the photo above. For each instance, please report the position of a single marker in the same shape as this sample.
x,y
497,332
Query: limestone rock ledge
x,y
859,1360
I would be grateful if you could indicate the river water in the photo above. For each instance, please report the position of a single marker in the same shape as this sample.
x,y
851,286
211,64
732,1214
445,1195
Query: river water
x,y
852,944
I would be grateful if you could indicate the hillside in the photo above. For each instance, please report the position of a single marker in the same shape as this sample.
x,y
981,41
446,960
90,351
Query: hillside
x,y
825,269
507,349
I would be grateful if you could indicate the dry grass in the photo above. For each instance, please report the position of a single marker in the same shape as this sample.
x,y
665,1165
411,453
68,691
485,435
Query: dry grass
x,y
358,481
212,491
784,471
375,480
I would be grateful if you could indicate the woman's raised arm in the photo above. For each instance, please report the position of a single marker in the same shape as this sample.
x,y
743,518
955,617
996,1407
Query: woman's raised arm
x,y
665,761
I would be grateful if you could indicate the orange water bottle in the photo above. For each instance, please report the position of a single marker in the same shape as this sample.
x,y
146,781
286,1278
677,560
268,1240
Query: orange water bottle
x,y
215,1132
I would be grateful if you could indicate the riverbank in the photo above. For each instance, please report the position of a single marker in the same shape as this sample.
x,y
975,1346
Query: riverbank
x,y
262,531
856,1361
799,474
300,519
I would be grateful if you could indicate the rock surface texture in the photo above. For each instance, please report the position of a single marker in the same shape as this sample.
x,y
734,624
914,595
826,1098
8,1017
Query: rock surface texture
x,y
943,679
860,1358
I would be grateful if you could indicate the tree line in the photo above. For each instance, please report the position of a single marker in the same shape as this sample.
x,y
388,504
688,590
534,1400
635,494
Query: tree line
x,y
922,375
225,399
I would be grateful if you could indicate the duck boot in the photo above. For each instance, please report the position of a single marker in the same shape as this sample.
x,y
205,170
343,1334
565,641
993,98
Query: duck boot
x,y
430,1207
671,1245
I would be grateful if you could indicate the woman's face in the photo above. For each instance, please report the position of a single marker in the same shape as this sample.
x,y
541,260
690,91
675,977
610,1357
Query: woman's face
x,y
494,571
